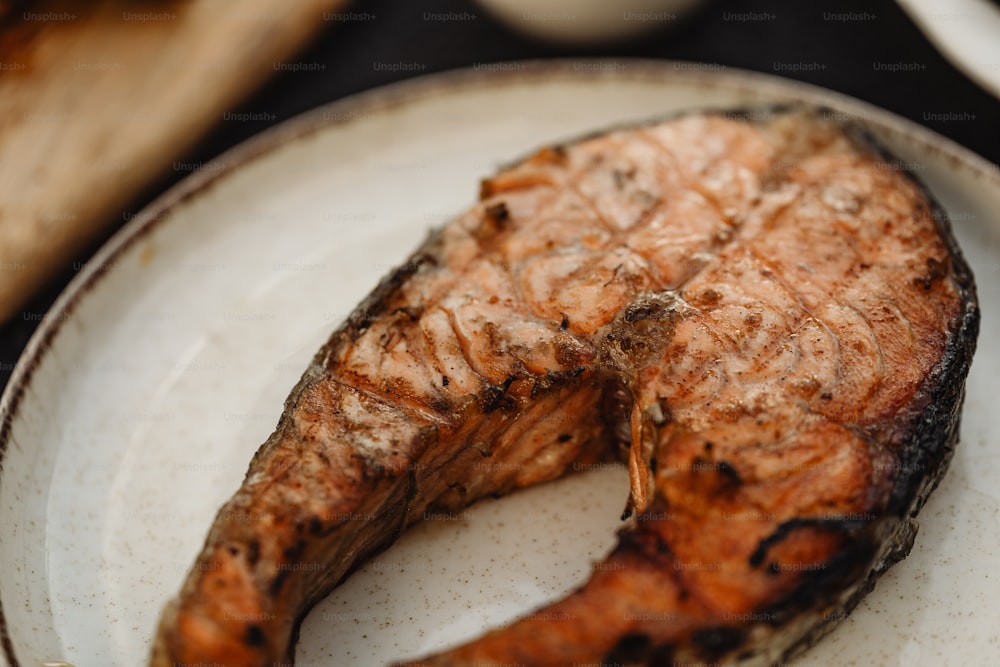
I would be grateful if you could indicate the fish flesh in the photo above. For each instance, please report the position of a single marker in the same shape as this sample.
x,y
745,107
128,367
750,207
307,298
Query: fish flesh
x,y
760,312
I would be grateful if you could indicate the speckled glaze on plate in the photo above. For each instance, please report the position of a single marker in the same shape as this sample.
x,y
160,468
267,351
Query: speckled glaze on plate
x,y
137,405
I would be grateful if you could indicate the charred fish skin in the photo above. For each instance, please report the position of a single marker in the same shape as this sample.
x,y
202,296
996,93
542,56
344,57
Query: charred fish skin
x,y
489,342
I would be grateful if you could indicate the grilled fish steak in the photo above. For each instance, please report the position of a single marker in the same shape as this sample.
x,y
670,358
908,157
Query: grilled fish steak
x,y
761,313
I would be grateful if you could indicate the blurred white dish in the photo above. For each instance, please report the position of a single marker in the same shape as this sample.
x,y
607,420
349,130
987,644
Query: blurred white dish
x,y
586,21
966,32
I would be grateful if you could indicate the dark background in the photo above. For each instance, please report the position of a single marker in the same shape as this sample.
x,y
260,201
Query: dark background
x,y
841,55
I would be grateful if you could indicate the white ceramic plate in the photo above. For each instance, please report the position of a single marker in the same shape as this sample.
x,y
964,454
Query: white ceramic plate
x,y
966,32
137,406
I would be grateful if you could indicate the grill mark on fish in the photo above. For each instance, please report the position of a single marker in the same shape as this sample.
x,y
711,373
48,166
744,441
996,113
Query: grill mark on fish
x,y
759,378
782,531
715,642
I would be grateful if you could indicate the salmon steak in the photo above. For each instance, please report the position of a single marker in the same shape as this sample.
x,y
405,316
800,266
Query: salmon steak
x,y
761,313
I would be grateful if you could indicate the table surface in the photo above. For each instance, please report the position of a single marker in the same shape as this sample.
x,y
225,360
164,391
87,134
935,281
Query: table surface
x,y
793,39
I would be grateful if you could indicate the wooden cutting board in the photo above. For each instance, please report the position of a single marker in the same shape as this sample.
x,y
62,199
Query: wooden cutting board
x,y
99,98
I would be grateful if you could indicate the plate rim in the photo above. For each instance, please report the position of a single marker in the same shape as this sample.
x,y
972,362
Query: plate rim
x,y
358,106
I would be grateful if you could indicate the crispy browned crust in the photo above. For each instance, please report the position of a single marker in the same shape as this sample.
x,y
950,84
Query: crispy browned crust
x,y
921,435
